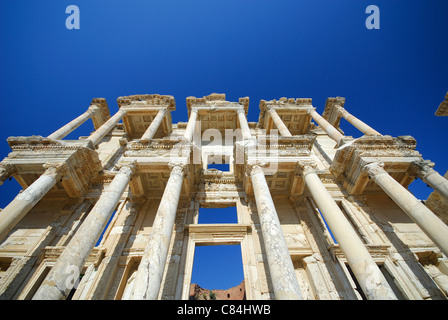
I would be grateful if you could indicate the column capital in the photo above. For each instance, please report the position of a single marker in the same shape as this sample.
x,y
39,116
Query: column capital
x,y
310,111
422,167
240,110
56,170
373,169
178,167
340,110
303,167
128,168
93,110
255,167
7,169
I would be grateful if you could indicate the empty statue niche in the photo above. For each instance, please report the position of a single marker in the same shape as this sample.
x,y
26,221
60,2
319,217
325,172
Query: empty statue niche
x,y
217,215
217,273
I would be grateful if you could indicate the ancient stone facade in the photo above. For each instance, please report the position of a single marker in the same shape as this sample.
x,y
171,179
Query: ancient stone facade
x,y
320,215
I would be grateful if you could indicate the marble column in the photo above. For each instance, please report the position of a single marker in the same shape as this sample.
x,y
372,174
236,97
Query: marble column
x,y
152,266
366,271
364,128
57,284
431,177
72,125
6,171
243,124
106,127
332,132
430,224
189,131
155,124
28,198
281,269
279,123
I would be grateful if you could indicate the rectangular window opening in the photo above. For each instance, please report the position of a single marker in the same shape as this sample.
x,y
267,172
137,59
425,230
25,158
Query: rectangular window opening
x,y
217,215
219,162
217,273
219,166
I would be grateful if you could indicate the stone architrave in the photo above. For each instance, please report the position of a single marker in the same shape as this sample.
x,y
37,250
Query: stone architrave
x,y
151,268
369,276
430,224
75,123
59,281
26,200
281,269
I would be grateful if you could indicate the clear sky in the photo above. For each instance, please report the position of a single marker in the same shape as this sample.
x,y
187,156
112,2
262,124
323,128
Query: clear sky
x,y
394,78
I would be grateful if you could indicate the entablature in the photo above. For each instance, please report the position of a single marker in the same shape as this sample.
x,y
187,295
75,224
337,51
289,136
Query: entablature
x,y
141,110
293,112
30,155
397,154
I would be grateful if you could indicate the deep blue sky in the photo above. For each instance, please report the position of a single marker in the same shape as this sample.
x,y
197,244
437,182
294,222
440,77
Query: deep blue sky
x,y
393,78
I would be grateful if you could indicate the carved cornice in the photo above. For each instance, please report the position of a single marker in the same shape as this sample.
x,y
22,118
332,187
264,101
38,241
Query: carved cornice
x,y
334,106
101,103
148,100
53,253
285,102
442,110
373,147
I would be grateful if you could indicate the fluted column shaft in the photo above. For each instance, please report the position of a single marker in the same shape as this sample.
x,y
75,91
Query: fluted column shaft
x,y
56,285
75,123
281,269
245,131
152,266
106,127
430,224
155,124
363,127
431,177
279,123
332,132
191,124
28,198
366,271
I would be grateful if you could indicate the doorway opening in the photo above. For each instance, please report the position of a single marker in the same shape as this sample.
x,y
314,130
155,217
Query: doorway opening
x,y
217,273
